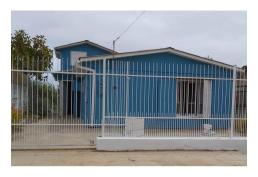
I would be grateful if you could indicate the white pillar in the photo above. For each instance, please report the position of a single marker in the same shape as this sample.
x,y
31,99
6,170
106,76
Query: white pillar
x,y
207,98
93,97
233,102
127,90
103,98
61,98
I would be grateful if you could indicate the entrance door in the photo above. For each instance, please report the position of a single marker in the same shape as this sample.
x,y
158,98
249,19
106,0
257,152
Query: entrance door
x,y
72,100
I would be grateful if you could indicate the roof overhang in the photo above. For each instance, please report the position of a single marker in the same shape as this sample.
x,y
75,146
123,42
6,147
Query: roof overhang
x,y
84,43
162,50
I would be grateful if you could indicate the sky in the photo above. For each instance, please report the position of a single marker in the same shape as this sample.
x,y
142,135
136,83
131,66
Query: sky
x,y
221,35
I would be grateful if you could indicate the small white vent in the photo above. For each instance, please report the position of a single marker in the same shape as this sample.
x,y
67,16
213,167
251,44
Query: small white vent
x,y
207,129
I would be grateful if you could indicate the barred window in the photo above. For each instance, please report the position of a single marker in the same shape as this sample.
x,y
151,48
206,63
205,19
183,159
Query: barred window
x,y
189,96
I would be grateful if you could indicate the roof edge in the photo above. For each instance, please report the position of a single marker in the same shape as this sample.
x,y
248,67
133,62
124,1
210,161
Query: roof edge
x,y
82,43
160,50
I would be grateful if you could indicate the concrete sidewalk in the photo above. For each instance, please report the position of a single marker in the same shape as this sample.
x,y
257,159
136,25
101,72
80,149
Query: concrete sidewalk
x,y
92,157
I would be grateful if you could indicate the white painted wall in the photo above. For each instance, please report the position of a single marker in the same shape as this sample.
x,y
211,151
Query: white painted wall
x,y
158,143
134,127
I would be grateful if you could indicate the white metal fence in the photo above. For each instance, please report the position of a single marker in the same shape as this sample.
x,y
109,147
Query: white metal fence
x,y
73,106
174,100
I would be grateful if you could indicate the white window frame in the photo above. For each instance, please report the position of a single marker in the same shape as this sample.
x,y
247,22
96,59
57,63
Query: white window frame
x,y
207,90
75,55
206,104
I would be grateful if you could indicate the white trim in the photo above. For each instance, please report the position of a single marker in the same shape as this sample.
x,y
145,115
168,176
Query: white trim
x,y
121,55
233,99
189,115
164,50
82,43
103,99
207,93
70,45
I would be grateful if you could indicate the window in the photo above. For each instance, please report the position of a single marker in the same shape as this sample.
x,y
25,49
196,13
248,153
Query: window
x,y
190,96
75,55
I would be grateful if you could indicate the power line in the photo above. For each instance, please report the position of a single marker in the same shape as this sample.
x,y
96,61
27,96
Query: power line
x,y
128,27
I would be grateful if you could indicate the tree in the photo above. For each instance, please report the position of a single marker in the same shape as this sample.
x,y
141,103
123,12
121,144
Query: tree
x,y
46,102
30,53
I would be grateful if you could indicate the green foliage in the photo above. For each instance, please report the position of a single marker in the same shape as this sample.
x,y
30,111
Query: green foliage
x,y
30,53
42,99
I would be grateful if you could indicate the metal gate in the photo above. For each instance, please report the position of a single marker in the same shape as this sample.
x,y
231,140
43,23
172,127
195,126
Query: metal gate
x,y
48,112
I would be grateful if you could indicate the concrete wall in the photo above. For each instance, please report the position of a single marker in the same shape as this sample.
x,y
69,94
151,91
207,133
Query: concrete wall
x,y
152,143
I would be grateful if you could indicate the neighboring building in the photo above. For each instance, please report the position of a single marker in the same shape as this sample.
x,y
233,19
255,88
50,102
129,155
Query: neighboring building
x,y
241,94
199,87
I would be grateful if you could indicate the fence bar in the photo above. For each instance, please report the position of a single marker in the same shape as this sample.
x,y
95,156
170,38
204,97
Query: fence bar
x,y
233,102
127,90
103,98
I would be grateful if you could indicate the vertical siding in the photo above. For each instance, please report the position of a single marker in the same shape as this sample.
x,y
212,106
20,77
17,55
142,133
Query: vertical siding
x,y
91,51
152,97
76,84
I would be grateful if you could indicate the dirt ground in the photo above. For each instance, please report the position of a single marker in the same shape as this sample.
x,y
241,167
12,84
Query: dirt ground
x,y
91,157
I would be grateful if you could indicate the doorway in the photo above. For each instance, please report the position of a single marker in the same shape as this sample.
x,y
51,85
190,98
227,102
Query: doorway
x,y
76,109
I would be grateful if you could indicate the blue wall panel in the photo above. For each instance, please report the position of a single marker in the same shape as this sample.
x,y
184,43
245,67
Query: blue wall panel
x,y
153,97
221,98
91,51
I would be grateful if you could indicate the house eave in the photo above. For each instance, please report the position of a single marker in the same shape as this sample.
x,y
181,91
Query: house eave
x,y
162,50
83,43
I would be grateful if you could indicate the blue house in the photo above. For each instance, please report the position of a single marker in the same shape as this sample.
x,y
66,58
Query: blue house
x,y
164,86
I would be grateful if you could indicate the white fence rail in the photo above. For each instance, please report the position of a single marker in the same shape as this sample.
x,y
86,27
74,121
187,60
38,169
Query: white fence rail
x,y
73,106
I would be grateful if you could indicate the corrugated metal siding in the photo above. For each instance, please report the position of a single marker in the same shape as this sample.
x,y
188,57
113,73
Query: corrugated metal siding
x,y
161,64
91,51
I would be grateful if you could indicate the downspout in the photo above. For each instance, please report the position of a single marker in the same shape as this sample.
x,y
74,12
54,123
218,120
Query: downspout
x,y
93,88
61,98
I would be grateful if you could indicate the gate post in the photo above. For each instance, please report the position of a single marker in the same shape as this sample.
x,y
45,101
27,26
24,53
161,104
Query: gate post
x,y
127,90
103,98
233,103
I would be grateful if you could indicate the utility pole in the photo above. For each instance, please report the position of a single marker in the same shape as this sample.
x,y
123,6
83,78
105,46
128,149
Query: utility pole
x,y
128,27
